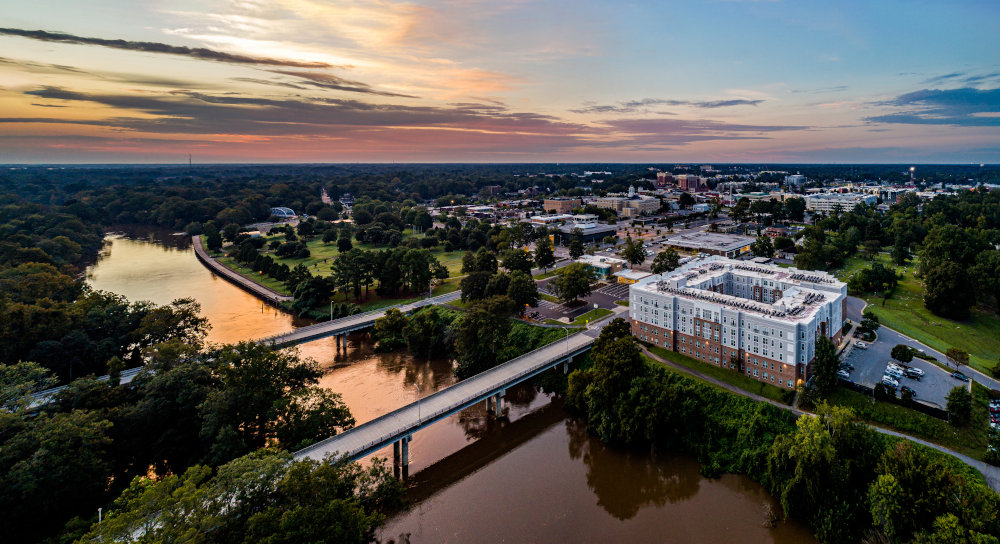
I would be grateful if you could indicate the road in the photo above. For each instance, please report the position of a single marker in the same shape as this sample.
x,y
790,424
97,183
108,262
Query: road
x,y
246,284
390,427
855,307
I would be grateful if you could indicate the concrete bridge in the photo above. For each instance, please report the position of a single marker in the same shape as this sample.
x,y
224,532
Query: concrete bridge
x,y
398,426
341,327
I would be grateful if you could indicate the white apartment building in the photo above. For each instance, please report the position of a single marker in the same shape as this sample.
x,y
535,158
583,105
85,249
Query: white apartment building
x,y
715,308
827,202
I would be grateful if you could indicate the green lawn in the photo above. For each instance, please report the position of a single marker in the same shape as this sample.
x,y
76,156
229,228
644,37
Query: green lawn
x,y
906,313
621,302
727,375
323,254
263,279
592,315
549,298
969,440
548,274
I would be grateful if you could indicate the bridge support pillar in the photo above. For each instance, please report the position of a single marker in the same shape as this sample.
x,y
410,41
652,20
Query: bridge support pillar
x,y
338,341
489,405
395,459
498,402
404,455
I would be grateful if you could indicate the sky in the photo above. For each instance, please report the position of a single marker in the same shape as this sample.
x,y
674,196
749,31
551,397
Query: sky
x,y
784,81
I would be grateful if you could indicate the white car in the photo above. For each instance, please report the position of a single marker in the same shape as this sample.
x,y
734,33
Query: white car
x,y
894,366
843,374
914,370
861,345
887,380
895,374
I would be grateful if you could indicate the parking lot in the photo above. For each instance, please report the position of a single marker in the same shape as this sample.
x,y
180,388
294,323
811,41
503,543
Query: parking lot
x,y
618,291
870,364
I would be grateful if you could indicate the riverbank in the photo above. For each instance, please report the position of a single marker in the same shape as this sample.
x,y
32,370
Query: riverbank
x,y
239,280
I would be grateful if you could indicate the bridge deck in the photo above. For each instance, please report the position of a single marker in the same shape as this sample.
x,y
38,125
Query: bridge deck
x,y
351,322
382,431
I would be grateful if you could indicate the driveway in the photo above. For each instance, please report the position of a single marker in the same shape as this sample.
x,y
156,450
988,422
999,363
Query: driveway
x,y
869,366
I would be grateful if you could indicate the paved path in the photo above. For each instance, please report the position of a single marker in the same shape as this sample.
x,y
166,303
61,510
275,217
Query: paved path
x,y
352,322
241,281
989,472
382,431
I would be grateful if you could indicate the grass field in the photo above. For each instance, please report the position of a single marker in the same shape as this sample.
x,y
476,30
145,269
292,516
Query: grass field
x,y
549,298
323,254
263,279
592,315
727,375
548,274
906,313
621,302
970,440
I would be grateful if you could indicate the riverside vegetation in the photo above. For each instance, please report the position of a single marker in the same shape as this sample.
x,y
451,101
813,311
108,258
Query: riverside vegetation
x,y
844,479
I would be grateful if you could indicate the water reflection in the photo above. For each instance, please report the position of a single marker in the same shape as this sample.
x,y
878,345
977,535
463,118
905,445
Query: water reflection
x,y
626,481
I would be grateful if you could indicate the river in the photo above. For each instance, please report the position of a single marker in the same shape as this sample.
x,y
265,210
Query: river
x,y
533,475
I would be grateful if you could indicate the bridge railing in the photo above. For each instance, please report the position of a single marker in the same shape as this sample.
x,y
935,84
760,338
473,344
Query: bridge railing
x,y
507,382
333,324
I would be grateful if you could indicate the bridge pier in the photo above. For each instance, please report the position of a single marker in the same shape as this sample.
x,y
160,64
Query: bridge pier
x,y
566,365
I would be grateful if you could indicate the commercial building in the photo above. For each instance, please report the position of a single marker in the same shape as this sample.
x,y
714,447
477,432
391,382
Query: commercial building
x,y
712,243
561,205
550,219
664,179
795,179
691,183
632,205
827,202
628,277
603,267
763,320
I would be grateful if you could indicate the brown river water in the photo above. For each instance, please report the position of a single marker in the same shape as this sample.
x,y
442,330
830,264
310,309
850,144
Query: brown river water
x,y
534,475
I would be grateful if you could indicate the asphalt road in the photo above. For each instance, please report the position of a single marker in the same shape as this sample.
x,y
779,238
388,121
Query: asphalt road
x,y
869,366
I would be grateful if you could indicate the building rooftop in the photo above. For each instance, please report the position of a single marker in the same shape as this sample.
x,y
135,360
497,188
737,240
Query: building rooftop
x,y
632,274
710,240
594,260
799,301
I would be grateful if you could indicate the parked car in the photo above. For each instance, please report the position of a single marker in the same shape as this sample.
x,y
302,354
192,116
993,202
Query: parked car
x,y
843,374
914,370
861,345
895,373
959,376
896,367
847,366
913,375
905,388
887,380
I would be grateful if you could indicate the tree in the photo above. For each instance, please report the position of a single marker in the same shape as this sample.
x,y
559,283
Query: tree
x,y
389,330
544,256
266,397
762,247
825,366
740,210
957,357
959,406
900,251
428,333
522,291
902,353
344,243
573,281
517,260
474,286
871,248
685,200
576,245
213,240
666,261
262,497
869,321
633,252
480,335
947,290
230,232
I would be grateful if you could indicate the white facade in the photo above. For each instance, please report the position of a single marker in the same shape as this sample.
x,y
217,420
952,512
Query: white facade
x,y
827,202
716,308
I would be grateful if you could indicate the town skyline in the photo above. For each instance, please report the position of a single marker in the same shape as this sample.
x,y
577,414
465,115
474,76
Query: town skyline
x,y
307,81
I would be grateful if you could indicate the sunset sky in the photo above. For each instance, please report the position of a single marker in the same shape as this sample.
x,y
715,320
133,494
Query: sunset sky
x,y
134,81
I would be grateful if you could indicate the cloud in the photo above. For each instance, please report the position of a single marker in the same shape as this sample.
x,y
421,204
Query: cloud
x,y
834,89
960,107
673,132
200,53
642,105
329,81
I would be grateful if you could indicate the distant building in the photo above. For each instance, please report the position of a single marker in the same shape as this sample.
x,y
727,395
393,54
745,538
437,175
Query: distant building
x,y
603,267
716,310
663,179
712,243
550,219
561,205
795,179
632,205
827,202
590,230
691,183
699,207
